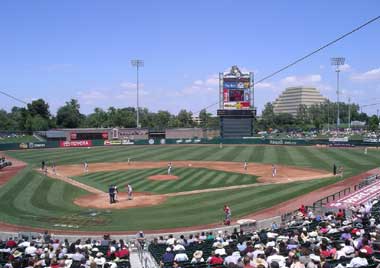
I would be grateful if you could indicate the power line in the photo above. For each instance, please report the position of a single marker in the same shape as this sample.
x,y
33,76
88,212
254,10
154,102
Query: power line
x,y
310,54
12,97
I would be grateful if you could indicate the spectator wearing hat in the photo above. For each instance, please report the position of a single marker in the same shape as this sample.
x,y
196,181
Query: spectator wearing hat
x,y
220,249
99,259
168,257
233,257
315,261
197,257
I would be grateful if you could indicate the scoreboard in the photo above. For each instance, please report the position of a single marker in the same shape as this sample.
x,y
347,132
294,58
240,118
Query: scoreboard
x,y
236,89
236,109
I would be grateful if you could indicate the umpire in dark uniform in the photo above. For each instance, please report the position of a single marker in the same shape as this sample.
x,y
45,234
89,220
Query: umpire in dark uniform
x,y
111,191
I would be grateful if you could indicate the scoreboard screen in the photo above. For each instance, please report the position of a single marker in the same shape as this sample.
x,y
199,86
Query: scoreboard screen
x,y
237,90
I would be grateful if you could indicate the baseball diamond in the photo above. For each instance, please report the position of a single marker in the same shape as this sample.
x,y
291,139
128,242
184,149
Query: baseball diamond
x,y
207,177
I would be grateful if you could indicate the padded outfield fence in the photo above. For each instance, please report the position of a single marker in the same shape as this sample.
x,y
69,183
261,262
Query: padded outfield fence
x,y
216,141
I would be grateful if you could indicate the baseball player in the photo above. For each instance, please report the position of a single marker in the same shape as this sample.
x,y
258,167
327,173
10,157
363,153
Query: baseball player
x,y
245,165
116,191
53,168
129,161
85,166
365,150
274,170
169,168
129,191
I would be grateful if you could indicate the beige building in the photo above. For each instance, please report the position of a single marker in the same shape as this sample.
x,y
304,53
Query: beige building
x,y
293,97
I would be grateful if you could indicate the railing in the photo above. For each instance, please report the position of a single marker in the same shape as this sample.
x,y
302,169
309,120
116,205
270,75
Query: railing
x,y
318,206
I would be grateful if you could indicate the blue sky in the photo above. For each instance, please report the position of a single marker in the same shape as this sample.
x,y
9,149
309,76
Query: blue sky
x,y
59,50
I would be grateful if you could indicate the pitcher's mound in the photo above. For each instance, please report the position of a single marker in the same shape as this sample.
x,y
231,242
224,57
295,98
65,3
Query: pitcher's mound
x,y
162,177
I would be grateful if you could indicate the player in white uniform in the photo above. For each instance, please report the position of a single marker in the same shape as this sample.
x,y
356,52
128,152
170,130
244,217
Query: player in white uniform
x,y
169,168
129,191
274,170
85,166
245,165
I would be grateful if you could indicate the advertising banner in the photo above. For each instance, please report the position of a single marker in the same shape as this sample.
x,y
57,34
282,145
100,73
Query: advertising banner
x,y
115,142
229,84
127,142
105,135
225,95
73,136
83,143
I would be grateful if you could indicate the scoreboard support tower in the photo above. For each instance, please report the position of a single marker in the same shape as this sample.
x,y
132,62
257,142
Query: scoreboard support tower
x,y
236,107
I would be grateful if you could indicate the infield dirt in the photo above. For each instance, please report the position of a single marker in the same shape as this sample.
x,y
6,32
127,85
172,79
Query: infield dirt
x,y
100,200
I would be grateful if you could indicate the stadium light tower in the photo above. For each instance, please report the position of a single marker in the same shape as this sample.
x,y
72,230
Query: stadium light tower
x,y
337,62
137,64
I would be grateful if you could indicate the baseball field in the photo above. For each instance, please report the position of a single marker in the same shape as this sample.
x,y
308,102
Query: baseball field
x,y
204,178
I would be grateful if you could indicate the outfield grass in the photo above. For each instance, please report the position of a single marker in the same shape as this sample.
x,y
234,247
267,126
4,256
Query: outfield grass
x,y
33,199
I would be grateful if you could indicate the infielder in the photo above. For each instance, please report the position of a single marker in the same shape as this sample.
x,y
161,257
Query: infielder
x,y
129,191
85,166
274,170
129,161
245,165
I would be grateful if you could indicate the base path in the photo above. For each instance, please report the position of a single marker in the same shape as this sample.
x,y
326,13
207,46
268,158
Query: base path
x,y
263,171
100,200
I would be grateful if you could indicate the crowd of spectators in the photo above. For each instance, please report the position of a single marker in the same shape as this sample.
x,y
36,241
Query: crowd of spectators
x,y
43,251
308,241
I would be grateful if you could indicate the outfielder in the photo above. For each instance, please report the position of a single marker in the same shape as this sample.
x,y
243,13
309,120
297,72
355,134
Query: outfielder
x,y
169,168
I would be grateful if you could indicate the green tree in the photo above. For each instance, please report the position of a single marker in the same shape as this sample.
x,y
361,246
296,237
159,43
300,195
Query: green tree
x,y
39,107
69,116
185,119
205,118
267,116
373,123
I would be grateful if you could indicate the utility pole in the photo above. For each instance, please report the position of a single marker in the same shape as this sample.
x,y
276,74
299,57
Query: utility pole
x,y
137,64
337,62
349,112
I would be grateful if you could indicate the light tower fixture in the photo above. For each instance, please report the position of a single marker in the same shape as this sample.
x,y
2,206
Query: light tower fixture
x,y
137,64
337,62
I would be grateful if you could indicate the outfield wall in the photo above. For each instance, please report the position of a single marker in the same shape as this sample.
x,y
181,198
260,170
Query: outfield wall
x,y
217,141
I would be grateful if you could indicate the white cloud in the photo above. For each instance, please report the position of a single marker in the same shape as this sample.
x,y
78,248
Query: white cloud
x,y
263,85
92,96
200,87
373,74
307,80
345,67
129,85
198,82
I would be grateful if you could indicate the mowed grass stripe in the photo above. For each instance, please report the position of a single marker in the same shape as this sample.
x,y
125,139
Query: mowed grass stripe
x,y
270,155
244,154
257,154
219,154
316,158
296,157
22,200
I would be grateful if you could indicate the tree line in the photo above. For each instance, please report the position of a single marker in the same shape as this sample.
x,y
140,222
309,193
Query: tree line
x,y
37,116
316,116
